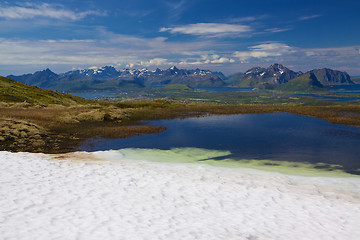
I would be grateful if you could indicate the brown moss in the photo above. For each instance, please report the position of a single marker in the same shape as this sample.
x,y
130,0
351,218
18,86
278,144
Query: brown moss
x,y
15,134
63,129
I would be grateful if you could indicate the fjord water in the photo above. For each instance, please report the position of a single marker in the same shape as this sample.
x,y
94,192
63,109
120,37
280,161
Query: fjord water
x,y
275,136
95,94
355,88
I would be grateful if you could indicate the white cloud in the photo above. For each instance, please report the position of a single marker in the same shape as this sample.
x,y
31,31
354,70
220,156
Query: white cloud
x,y
209,29
215,58
303,58
176,8
276,30
247,19
304,18
60,52
44,10
18,56
107,49
349,54
223,60
264,50
206,59
155,62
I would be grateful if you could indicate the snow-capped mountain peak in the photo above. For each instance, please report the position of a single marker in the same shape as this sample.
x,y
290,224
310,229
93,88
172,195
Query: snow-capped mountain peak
x,y
275,74
174,68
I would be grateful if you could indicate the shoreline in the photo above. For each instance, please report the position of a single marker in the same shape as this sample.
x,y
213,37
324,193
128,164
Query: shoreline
x,y
135,156
48,198
40,129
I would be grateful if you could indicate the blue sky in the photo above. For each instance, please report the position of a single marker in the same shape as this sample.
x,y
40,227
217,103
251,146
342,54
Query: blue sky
x,y
224,35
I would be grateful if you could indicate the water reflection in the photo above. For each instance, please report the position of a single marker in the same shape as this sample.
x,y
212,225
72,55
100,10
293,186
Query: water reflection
x,y
276,136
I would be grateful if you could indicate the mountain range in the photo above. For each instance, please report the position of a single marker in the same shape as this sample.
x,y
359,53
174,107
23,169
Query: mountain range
x,y
277,74
108,78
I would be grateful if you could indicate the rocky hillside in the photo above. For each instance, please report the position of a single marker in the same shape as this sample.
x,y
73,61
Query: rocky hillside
x,y
259,77
332,77
277,74
43,78
108,78
192,78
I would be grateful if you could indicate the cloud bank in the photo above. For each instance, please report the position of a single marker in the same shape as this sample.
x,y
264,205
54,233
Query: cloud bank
x,y
264,51
308,17
209,29
130,51
43,10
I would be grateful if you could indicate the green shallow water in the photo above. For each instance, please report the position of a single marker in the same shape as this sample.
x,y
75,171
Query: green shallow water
x,y
277,138
211,157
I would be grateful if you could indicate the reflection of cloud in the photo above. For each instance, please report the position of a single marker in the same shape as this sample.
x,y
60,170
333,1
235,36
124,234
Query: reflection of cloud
x,y
43,10
212,121
209,29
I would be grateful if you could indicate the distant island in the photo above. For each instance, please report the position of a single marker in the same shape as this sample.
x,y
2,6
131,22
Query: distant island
x,y
276,77
279,77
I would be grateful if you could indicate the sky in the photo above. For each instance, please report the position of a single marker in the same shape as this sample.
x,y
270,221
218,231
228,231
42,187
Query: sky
x,y
220,35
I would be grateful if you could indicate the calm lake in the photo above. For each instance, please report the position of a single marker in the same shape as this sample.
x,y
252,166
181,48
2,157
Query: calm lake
x,y
275,136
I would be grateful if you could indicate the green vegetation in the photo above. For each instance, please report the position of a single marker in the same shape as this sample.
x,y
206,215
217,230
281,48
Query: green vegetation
x,y
247,81
178,87
181,94
99,85
307,83
239,81
13,91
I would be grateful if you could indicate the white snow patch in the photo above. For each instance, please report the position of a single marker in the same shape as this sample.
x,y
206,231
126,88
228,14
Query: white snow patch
x,y
46,198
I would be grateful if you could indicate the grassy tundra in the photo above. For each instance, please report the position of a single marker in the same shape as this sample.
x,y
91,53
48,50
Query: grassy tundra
x,y
37,120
